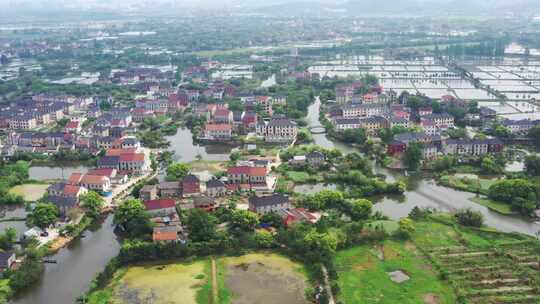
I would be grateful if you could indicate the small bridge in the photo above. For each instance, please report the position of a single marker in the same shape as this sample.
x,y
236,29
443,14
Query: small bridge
x,y
317,130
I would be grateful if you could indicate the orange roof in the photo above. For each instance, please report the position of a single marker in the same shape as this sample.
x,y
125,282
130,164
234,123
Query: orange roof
x,y
164,235
132,157
93,179
71,190
118,152
257,171
218,127
75,178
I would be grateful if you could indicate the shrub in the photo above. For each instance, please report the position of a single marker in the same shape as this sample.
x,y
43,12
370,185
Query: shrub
x,y
468,217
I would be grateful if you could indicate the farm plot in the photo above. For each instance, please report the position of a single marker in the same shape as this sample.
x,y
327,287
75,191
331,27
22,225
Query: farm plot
x,y
495,275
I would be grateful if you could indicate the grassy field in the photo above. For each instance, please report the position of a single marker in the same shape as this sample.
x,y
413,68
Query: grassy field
x,y
301,177
30,192
444,262
363,275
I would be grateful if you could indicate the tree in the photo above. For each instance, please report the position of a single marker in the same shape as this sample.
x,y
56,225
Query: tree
x,y
244,220
319,246
93,203
43,215
534,132
361,209
502,131
8,238
468,217
490,166
444,163
532,165
177,171
413,156
327,199
273,219
406,227
201,225
356,136
234,156
264,239
133,218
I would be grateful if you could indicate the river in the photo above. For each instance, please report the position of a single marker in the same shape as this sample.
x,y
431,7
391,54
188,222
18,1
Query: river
x,y
187,151
78,264
54,173
423,191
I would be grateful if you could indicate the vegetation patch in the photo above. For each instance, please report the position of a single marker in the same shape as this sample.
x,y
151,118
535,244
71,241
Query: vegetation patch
x,y
30,192
494,205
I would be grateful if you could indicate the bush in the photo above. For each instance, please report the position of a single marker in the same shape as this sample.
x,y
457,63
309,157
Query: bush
x,y
468,217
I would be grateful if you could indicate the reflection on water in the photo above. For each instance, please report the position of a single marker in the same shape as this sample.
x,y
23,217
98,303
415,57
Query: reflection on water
x,y
77,265
58,172
15,211
187,151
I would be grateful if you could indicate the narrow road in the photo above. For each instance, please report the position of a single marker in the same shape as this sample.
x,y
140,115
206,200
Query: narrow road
x,y
215,297
327,286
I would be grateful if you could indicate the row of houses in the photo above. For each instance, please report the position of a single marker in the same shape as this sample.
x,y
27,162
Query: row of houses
x,y
434,144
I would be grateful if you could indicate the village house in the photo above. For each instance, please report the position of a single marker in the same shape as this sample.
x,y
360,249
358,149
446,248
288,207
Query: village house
x,y
520,126
473,147
247,175
160,207
443,121
98,183
217,131
148,193
223,116
65,196
267,204
429,152
372,124
191,186
363,110
170,189
279,129
342,124
215,188
166,233
315,159
297,215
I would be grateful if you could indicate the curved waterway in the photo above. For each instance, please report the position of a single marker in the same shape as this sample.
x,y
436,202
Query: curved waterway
x,y
77,265
423,191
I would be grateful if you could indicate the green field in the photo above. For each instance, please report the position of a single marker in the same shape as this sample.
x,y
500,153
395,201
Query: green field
x,y
499,207
363,275
30,192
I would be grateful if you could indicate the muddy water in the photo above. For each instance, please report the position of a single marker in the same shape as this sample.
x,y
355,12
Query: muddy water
x,y
262,282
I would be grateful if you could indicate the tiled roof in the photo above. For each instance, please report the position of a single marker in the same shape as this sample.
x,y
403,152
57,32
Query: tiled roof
x,y
159,204
167,233
274,199
132,157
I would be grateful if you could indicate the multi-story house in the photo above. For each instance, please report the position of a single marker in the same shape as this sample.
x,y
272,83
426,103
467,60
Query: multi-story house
x,y
474,147
217,131
267,204
278,130
342,124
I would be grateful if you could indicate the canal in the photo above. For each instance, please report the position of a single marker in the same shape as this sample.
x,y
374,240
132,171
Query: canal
x,y
422,191
77,265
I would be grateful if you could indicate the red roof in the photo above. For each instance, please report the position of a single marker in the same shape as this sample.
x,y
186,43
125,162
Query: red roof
x,y
71,190
222,112
218,127
72,125
118,152
103,172
75,178
251,171
93,179
159,204
164,235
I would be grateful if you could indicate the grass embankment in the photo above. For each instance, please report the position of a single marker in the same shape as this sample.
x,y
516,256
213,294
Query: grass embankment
x,y
480,186
446,263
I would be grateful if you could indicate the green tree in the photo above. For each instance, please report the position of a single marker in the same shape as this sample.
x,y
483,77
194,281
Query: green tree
x,y
8,238
327,199
244,220
356,136
92,203
502,131
177,171
273,219
264,239
361,209
132,217
490,166
406,227
468,217
319,246
201,225
43,215
534,132
532,165
413,156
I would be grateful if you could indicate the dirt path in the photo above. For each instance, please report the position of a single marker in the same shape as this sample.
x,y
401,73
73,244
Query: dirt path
x,y
327,286
215,297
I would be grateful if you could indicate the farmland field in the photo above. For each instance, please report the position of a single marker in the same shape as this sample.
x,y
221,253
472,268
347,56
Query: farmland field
x,y
30,192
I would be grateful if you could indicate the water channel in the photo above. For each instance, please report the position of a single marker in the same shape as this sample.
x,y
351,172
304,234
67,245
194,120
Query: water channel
x,y
423,191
